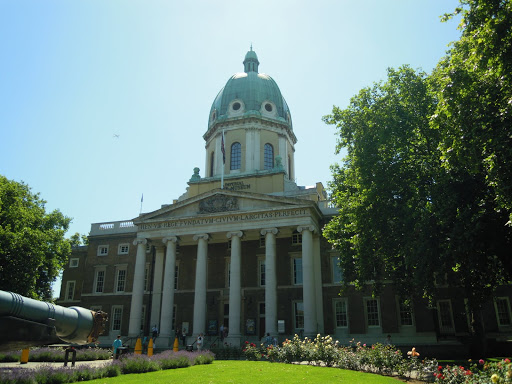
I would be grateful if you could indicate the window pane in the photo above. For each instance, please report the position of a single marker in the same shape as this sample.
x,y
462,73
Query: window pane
x,y
100,280
262,273
268,159
405,313
299,315
117,314
297,271
121,278
341,313
337,276
372,311
236,156
445,314
503,311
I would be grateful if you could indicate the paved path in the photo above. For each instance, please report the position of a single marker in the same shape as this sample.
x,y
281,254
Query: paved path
x,y
31,364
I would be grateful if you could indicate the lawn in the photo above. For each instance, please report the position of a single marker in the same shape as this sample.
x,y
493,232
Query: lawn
x,y
234,371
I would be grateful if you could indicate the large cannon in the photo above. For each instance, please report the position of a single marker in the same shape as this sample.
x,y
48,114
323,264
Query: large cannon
x,y
27,322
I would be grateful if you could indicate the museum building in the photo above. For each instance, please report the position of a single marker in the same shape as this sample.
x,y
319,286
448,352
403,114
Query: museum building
x,y
243,248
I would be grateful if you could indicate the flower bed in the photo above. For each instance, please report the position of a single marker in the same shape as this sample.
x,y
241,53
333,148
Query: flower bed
x,y
129,363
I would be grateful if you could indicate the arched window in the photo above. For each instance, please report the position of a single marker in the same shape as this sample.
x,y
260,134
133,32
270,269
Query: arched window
x,y
289,168
268,158
236,156
212,157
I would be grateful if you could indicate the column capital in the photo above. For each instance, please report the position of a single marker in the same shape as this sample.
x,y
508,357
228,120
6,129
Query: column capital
x,y
140,241
269,230
229,235
310,228
203,236
174,239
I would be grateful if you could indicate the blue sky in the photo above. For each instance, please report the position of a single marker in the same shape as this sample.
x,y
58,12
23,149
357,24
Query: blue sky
x,y
75,73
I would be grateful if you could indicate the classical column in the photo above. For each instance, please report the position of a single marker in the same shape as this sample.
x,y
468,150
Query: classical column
x,y
168,291
270,281
318,284
199,325
156,301
308,281
235,287
138,288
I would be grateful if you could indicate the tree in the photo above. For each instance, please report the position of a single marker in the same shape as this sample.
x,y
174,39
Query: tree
x,y
385,186
426,187
33,249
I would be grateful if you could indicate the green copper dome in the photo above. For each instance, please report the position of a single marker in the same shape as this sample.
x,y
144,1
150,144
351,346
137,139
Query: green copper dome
x,y
250,94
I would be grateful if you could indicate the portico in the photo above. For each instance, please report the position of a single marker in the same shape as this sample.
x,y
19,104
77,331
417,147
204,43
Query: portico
x,y
237,216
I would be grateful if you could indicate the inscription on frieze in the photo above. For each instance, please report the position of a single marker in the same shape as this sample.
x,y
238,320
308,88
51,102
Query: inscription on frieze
x,y
236,186
218,203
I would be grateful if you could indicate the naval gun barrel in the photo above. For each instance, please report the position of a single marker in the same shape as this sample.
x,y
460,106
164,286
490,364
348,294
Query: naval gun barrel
x,y
38,321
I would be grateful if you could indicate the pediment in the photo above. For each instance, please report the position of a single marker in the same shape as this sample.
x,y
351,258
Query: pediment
x,y
221,201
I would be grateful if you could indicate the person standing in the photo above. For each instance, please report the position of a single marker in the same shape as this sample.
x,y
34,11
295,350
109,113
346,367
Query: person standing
x,y
222,332
155,332
184,336
199,342
117,344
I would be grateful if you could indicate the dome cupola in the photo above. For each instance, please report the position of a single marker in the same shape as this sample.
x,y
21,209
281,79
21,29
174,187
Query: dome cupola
x,y
249,94
249,127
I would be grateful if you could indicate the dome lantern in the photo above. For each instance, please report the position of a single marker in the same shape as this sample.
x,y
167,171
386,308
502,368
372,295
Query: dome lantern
x,y
251,62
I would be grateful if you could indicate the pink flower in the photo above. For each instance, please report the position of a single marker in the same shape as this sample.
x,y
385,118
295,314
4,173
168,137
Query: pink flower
x,y
481,362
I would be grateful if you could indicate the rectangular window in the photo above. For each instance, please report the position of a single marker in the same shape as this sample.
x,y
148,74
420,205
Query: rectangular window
x,y
372,313
262,241
229,244
176,274
99,281
73,263
340,313
121,279
102,250
228,272
297,270
123,249
298,311
143,318
337,275
444,310
117,316
296,238
405,310
261,269
502,306
70,290
146,278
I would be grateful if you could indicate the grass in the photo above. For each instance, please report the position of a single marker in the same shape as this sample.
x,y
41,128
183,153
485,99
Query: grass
x,y
232,371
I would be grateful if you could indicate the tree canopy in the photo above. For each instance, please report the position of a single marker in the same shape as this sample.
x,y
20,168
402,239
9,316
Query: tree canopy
x,y
426,186
33,249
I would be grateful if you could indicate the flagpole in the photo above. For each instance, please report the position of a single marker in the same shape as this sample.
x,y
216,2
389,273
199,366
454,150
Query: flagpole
x,y
223,161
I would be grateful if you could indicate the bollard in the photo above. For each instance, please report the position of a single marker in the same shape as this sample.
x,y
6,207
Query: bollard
x,y
24,356
150,347
176,345
138,347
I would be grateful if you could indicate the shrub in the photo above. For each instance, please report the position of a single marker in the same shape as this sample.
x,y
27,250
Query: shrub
x,y
138,364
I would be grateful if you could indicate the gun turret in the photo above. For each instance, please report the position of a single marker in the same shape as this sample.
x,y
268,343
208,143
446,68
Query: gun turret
x,y
27,322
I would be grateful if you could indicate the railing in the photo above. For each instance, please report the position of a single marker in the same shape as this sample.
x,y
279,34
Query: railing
x,y
113,227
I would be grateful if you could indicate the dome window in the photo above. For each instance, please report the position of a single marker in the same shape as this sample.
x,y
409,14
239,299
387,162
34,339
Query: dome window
x,y
268,156
236,108
214,116
236,156
268,107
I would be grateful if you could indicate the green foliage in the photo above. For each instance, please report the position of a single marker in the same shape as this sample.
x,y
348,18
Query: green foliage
x,y
426,186
33,249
